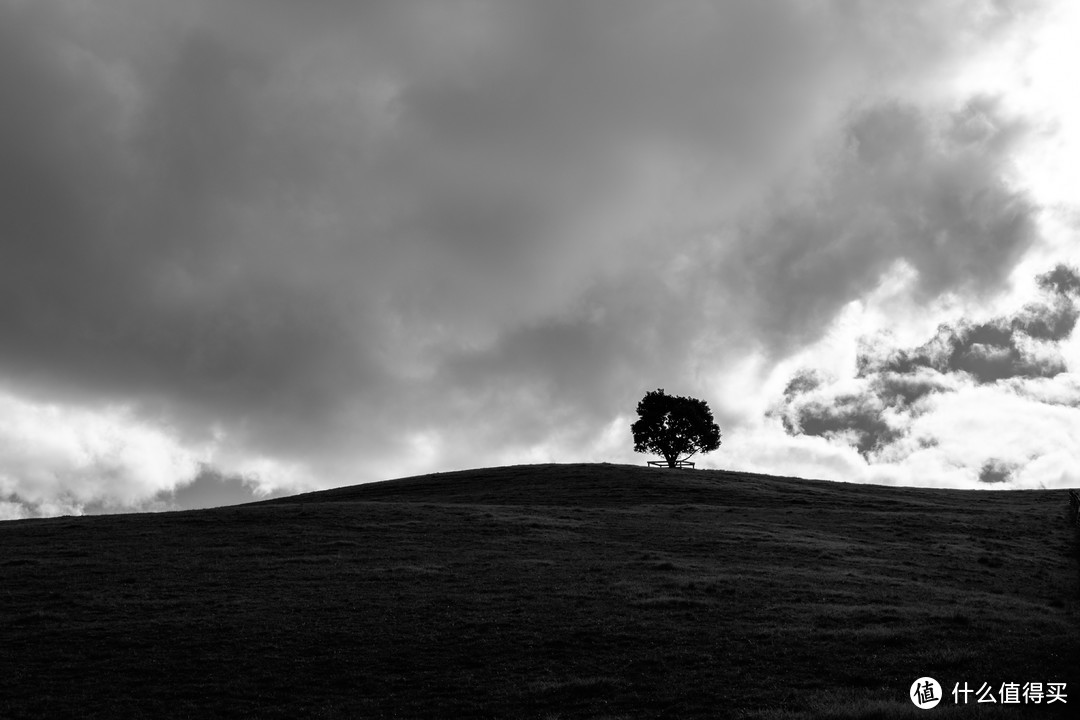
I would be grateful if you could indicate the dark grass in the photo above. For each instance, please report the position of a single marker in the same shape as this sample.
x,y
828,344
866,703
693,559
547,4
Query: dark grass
x,y
545,591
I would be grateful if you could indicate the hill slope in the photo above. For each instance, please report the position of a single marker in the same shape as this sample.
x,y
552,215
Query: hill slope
x,y
543,591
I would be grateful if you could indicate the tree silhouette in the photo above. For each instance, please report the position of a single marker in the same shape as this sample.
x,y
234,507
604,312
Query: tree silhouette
x,y
671,426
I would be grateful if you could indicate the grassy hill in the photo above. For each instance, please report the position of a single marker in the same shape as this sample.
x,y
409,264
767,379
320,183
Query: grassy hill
x,y
545,591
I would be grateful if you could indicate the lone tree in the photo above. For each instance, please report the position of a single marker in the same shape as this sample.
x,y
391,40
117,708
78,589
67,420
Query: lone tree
x,y
671,426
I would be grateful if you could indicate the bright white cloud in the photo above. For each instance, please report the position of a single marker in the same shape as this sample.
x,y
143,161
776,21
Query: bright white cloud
x,y
981,425
56,459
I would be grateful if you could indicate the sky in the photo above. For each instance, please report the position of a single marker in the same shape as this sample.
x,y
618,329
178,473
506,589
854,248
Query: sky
x,y
257,248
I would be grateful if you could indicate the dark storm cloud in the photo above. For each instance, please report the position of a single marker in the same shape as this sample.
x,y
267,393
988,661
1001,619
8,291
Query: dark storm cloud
x,y
893,385
801,383
904,390
329,236
930,189
994,350
987,351
133,263
858,416
869,419
1062,280
995,471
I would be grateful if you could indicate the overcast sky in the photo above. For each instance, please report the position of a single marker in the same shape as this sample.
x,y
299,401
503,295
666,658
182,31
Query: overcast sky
x,y
253,247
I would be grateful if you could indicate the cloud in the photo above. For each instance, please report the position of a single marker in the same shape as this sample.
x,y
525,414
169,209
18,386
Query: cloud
x,y
866,413
58,460
212,489
995,471
899,403
904,184
1000,348
848,416
1024,444
366,239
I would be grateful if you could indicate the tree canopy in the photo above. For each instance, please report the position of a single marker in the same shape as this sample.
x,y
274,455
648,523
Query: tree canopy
x,y
671,426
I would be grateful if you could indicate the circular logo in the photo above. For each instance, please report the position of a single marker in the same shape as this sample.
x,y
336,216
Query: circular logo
x,y
925,693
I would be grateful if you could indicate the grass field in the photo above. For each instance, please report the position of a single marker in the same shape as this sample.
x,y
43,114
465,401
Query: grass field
x,y
545,591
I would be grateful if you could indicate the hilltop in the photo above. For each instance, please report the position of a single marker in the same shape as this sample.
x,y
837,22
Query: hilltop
x,y
545,591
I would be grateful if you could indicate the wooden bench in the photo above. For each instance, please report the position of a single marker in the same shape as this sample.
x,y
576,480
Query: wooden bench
x,y
664,463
